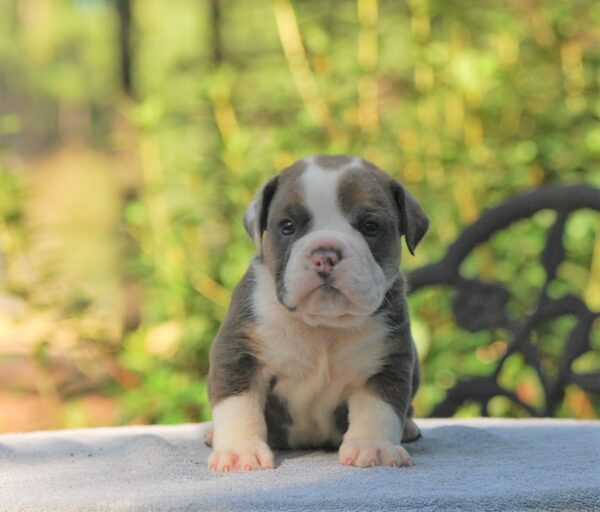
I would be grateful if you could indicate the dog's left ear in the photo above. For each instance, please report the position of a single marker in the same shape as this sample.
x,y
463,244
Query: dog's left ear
x,y
413,221
257,213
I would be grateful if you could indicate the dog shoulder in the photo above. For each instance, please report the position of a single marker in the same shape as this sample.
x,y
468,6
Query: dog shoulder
x,y
233,359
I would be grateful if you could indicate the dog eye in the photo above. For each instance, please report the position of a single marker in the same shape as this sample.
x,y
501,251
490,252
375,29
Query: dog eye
x,y
286,227
370,228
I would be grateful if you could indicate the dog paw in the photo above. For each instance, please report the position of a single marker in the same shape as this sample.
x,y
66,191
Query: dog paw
x,y
364,453
246,456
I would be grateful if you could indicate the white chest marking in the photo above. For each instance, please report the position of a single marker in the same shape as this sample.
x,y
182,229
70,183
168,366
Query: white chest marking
x,y
316,367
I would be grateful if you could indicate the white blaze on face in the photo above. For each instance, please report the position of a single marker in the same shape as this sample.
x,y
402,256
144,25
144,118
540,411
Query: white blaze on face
x,y
320,188
357,283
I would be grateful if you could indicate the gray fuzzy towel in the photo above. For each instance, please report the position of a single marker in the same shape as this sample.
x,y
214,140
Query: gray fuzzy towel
x,y
458,465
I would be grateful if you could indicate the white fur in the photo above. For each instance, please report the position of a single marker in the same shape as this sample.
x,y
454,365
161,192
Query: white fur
x,y
320,196
240,434
374,433
322,348
317,368
372,418
238,419
360,281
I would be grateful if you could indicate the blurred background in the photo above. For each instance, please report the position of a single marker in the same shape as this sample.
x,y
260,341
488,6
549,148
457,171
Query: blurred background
x,y
134,132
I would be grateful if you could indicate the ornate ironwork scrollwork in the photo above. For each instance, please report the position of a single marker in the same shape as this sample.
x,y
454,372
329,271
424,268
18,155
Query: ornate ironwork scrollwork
x,y
480,305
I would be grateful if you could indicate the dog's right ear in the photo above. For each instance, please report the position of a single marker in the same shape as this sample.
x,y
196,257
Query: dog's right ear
x,y
413,221
257,213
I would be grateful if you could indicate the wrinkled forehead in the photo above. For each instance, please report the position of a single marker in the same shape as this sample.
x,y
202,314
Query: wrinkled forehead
x,y
328,187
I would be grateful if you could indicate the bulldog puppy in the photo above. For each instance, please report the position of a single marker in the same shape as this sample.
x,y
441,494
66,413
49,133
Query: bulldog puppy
x,y
316,349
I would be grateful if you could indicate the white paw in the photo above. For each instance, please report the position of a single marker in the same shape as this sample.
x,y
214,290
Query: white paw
x,y
364,453
244,456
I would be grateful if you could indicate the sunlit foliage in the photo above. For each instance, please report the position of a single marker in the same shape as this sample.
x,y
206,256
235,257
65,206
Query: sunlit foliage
x,y
121,205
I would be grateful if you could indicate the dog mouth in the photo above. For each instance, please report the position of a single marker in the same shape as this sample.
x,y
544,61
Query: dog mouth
x,y
325,290
327,300
330,296
328,292
327,287
329,307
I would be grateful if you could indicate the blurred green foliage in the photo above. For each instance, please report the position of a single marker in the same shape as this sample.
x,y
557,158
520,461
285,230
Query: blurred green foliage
x,y
466,104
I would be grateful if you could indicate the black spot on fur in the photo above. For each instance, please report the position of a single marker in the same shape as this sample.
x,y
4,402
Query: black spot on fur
x,y
278,421
341,417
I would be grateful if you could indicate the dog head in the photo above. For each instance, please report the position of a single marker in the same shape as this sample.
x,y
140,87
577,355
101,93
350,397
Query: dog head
x,y
328,229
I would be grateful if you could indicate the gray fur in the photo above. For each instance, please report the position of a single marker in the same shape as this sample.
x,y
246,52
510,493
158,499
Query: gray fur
x,y
365,194
333,162
397,381
233,364
278,420
414,221
371,190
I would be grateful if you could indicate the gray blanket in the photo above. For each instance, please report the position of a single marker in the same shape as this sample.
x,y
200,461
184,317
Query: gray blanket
x,y
458,465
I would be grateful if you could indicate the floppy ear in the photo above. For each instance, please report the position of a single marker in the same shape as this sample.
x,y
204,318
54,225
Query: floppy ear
x,y
255,218
413,221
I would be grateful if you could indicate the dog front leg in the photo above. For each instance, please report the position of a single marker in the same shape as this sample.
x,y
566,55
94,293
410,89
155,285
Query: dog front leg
x,y
240,434
374,433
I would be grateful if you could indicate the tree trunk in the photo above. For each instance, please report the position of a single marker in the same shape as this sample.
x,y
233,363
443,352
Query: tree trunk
x,y
125,46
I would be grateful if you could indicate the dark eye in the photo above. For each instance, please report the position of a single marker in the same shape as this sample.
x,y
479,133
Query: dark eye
x,y
370,228
287,227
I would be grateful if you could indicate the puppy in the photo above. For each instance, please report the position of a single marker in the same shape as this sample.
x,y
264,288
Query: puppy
x,y
316,349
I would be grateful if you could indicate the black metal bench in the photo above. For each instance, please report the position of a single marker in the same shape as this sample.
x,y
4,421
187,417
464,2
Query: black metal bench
x,y
479,305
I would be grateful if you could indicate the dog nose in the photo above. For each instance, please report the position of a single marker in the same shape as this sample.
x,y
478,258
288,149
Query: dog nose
x,y
324,259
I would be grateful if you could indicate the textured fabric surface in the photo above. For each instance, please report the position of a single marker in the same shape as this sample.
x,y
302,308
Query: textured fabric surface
x,y
481,464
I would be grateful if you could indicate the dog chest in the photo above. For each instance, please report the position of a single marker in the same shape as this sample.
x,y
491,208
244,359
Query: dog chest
x,y
315,372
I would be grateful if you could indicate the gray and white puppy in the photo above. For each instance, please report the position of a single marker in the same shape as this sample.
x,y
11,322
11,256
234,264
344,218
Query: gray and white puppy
x,y
316,349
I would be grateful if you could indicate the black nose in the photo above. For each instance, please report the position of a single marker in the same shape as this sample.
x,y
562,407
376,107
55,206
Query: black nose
x,y
324,259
